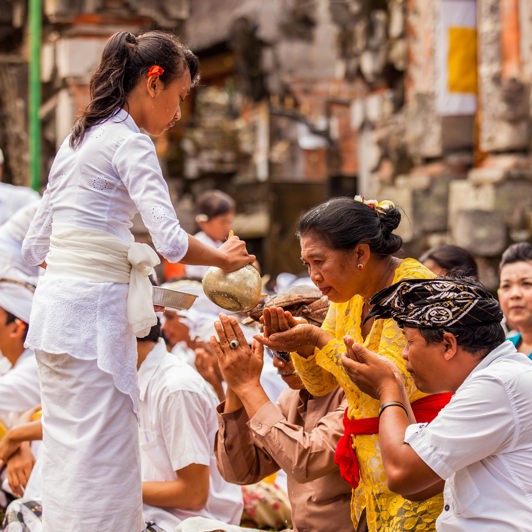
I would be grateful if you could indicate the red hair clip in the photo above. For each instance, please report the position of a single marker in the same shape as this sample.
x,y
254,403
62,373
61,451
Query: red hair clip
x,y
155,70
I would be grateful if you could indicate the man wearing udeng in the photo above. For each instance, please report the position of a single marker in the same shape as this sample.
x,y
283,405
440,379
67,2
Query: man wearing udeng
x,y
481,442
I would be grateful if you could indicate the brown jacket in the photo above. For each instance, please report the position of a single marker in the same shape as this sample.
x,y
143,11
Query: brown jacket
x,y
299,435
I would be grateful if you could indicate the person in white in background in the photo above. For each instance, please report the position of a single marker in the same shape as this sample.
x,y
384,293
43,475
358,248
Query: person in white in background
x,y
12,233
183,329
12,265
215,212
19,387
178,424
13,197
187,334
177,336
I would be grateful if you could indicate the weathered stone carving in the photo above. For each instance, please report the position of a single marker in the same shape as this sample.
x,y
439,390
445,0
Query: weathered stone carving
x,y
248,49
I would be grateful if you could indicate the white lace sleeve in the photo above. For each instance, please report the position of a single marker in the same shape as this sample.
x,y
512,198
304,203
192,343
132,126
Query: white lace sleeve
x,y
138,167
37,240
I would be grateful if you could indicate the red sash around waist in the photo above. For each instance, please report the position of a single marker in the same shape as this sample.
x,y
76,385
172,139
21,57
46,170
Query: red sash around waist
x,y
425,410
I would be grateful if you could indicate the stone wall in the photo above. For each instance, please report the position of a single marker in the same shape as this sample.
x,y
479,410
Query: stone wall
x,y
469,180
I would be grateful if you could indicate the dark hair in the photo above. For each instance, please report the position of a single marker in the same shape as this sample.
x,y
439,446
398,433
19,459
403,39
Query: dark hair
x,y
212,203
520,252
344,223
155,331
11,318
453,259
125,59
480,339
154,334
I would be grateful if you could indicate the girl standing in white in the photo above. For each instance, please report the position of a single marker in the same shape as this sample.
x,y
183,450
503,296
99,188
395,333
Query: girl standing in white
x,y
95,296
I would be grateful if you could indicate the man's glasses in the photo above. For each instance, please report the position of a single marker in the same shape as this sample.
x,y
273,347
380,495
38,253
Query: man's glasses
x,y
283,356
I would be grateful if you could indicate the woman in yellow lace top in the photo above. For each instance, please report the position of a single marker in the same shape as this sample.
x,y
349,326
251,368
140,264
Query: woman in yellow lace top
x,y
348,249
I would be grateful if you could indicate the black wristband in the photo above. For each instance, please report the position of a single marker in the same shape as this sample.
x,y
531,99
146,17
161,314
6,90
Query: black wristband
x,y
392,403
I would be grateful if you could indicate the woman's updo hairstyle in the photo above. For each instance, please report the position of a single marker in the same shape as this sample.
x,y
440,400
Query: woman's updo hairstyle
x,y
343,223
125,59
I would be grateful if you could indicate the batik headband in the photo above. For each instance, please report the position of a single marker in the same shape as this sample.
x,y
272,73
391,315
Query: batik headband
x,y
436,304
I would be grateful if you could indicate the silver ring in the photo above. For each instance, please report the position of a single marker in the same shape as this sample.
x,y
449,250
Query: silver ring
x,y
233,344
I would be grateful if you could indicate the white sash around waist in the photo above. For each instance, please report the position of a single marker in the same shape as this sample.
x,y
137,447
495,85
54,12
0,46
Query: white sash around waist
x,y
94,255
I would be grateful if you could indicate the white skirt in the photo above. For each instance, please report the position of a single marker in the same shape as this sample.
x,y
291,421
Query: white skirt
x,y
90,455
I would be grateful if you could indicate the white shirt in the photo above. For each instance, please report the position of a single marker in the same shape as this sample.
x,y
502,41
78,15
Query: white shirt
x,y
481,444
5,365
19,388
12,234
102,184
13,198
184,352
178,426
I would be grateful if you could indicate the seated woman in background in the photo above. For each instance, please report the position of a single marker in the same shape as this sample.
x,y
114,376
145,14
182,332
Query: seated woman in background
x,y
448,258
515,294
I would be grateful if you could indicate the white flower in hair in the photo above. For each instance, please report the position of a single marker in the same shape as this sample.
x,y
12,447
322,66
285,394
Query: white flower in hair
x,y
379,206
385,205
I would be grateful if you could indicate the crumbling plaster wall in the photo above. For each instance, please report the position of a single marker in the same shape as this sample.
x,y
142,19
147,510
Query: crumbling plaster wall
x,y
297,36
469,180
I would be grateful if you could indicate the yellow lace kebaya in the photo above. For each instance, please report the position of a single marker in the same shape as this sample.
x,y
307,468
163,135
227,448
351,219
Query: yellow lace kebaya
x,y
323,371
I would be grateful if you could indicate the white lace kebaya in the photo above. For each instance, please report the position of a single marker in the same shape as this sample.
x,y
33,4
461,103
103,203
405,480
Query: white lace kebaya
x,y
99,186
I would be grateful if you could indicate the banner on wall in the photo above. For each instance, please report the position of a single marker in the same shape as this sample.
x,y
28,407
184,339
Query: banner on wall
x,y
456,58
